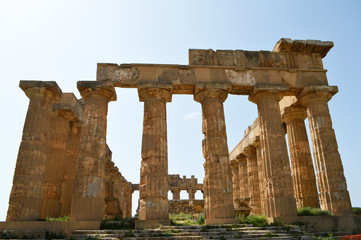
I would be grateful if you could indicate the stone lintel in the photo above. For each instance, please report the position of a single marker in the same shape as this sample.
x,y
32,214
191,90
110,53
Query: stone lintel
x,y
104,88
69,104
303,46
49,85
251,138
261,67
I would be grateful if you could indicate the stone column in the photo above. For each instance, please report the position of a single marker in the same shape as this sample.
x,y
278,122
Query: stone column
x,y
88,193
253,180
332,185
261,178
218,194
235,179
153,187
191,194
243,177
64,111
303,174
71,166
26,192
176,194
278,187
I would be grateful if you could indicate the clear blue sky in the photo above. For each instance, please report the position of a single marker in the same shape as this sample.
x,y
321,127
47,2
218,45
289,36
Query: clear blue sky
x,y
64,40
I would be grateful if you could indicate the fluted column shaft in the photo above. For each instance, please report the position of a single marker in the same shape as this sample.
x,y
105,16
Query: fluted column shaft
x,y
26,192
153,188
332,186
303,175
71,167
261,178
218,194
235,179
54,167
243,177
278,182
253,180
88,192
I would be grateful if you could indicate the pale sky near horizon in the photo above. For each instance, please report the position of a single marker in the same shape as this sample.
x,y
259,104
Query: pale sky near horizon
x,y
64,40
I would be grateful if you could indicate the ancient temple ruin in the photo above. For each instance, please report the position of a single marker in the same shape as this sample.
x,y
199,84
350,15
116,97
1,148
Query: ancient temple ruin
x,y
64,165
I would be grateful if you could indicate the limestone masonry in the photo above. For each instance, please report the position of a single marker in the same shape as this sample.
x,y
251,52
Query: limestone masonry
x,y
65,167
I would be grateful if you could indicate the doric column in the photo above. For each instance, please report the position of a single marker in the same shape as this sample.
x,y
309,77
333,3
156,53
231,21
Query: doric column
x,y
26,192
191,194
332,185
303,174
88,193
153,187
278,185
243,177
235,179
261,178
65,110
176,194
218,194
253,180
71,166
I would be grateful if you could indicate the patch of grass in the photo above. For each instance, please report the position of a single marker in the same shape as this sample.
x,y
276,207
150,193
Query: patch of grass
x,y
276,223
5,235
298,223
222,238
308,211
201,219
58,219
356,210
255,220
125,223
183,219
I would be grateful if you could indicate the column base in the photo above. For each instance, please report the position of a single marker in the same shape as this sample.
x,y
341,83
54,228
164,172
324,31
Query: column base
x,y
152,223
217,221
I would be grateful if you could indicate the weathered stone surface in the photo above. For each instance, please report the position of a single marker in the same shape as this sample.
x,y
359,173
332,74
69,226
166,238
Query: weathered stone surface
x,y
303,174
153,187
26,193
218,194
332,185
65,110
278,188
235,179
303,46
253,180
185,206
89,181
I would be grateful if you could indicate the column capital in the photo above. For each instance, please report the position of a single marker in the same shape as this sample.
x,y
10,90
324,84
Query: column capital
x,y
293,112
316,93
233,163
48,89
267,90
69,107
249,151
102,88
162,93
201,95
241,157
